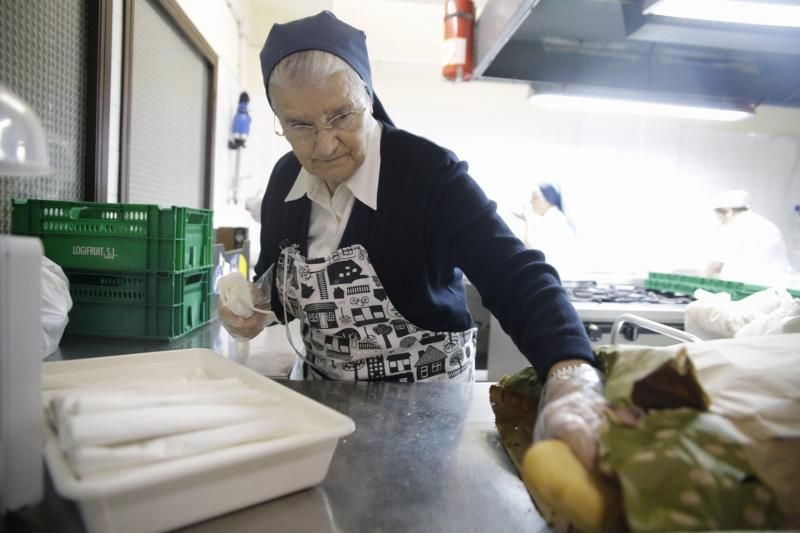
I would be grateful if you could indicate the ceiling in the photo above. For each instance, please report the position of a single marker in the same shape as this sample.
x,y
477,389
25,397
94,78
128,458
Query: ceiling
x,y
405,38
404,31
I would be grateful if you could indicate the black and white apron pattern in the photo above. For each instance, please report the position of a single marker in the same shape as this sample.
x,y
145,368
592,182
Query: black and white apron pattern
x,y
351,330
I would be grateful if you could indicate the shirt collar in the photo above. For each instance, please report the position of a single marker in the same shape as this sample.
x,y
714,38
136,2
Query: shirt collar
x,y
363,183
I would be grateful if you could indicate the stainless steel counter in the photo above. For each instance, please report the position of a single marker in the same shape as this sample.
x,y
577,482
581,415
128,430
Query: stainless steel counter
x,y
268,354
424,457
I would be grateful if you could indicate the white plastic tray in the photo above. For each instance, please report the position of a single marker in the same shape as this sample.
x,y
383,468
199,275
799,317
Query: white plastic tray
x,y
175,493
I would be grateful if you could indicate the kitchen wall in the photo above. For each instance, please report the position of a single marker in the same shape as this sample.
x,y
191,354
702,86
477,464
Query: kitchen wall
x,y
635,189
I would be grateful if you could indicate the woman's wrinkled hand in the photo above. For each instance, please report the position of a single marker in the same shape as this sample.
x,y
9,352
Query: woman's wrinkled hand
x,y
572,406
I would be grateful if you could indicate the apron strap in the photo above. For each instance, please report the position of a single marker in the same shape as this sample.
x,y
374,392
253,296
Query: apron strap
x,y
297,217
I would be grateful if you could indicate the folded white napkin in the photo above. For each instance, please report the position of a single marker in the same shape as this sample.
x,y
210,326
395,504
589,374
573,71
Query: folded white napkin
x,y
124,423
90,401
114,427
87,460
63,383
153,374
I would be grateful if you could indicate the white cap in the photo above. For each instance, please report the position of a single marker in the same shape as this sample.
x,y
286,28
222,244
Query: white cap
x,y
733,198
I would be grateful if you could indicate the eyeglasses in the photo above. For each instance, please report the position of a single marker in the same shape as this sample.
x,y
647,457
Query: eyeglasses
x,y
305,133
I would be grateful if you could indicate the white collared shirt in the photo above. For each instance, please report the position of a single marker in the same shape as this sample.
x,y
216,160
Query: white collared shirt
x,y
330,213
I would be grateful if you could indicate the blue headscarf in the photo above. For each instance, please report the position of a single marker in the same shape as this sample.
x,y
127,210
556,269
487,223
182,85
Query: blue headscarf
x,y
323,32
552,195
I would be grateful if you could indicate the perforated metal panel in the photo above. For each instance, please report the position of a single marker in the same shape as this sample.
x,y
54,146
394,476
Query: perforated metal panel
x,y
168,114
44,53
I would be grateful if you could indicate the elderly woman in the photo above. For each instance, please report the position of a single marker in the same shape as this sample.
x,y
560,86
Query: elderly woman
x,y
368,228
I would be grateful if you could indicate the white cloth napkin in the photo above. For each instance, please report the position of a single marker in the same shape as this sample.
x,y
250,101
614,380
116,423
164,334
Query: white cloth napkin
x,y
126,423
234,293
153,375
98,401
114,427
87,460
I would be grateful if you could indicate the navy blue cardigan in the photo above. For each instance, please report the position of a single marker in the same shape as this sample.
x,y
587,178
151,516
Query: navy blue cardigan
x,y
434,221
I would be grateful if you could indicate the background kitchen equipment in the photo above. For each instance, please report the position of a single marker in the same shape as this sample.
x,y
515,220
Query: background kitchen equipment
x,y
622,45
241,130
598,305
623,320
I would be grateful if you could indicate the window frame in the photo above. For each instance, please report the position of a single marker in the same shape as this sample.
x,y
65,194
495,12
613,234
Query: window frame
x,y
98,120
186,29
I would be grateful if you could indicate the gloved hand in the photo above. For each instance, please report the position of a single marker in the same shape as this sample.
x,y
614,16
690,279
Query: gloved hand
x,y
247,327
570,409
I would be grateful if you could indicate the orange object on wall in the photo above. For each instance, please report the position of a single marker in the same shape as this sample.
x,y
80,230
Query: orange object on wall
x,y
459,33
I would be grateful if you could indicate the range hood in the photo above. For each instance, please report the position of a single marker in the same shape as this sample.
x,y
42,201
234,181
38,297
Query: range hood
x,y
612,45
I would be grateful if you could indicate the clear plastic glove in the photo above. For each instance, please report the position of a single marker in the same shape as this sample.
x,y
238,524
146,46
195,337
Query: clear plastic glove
x,y
571,407
245,315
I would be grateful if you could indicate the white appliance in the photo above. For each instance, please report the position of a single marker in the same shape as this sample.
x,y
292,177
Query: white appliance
x,y
21,424
23,152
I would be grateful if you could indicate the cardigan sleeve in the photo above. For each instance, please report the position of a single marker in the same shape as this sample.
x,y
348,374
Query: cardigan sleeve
x,y
515,283
265,259
274,223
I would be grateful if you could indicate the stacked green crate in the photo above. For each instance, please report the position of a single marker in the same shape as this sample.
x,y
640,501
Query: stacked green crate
x,y
682,284
135,271
748,289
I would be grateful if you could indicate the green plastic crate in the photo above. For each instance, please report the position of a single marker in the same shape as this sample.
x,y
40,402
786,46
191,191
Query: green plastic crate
x,y
139,305
141,238
750,289
683,284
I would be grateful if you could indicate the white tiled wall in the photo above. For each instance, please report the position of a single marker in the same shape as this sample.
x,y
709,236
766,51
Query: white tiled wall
x,y
636,190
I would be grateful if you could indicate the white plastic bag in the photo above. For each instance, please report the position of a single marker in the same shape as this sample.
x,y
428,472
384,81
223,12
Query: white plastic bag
x,y
715,316
56,303
784,319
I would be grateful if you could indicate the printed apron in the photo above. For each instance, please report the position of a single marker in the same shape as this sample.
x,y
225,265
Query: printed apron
x,y
351,330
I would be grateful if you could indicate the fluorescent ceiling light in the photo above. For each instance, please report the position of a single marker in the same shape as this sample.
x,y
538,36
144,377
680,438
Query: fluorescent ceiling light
x,y
635,107
735,11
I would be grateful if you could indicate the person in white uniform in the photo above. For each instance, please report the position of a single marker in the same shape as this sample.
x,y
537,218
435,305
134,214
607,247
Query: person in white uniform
x,y
367,232
548,229
747,247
